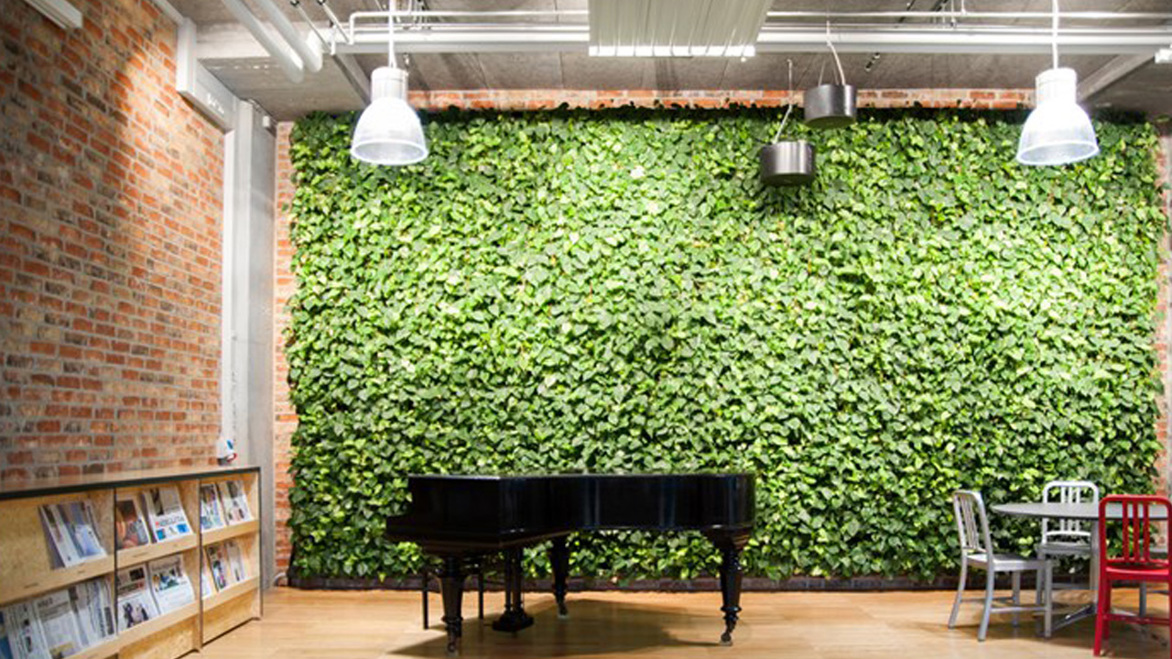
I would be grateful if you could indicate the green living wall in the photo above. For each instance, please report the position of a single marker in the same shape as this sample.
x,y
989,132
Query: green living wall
x,y
614,291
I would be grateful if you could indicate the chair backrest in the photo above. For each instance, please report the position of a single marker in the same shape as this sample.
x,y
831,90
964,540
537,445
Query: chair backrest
x,y
971,522
1067,530
1135,537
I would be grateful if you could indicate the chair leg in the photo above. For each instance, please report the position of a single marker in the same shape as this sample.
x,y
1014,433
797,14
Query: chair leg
x,y
1101,623
1143,598
984,628
1049,614
1016,578
1038,584
964,571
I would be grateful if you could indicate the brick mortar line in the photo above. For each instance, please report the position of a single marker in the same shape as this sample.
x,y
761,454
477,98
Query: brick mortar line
x,y
17,287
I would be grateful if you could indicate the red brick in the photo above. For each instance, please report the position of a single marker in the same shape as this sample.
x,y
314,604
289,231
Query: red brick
x,y
94,155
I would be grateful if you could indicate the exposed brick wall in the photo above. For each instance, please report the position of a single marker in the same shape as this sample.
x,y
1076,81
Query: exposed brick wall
x,y
283,286
989,99
110,204
545,99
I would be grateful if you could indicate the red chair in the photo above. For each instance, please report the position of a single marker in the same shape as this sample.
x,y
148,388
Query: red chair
x,y
1133,562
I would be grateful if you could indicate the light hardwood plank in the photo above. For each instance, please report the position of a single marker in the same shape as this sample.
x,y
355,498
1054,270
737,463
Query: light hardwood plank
x,y
898,625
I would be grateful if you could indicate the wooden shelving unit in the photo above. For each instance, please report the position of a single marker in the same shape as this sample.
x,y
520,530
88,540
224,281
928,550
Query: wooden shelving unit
x,y
239,602
26,569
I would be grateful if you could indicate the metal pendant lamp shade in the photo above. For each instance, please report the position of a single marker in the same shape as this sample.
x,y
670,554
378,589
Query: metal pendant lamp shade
x,y
830,106
389,131
787,163
790,162
1058,131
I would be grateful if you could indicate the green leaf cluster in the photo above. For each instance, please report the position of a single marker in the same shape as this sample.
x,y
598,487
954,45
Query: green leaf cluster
x,y
614,291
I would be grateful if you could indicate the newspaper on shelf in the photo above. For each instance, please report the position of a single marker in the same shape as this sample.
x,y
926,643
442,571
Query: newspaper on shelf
x,y
211,515
24,632
169,584
236,561
235,501
64,553
59,625
217,564
165,512
130,524
135,602
6,651
82,528
94,610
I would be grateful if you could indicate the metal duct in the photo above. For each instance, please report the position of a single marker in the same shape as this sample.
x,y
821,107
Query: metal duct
x,y
675,28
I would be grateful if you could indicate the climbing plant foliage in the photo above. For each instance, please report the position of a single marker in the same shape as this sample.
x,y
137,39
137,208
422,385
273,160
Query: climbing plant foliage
x,y
614,291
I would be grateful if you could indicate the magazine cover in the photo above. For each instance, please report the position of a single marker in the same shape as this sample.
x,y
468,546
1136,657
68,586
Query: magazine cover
x,y
210,514
235,501
169,584
205,582
64,553
5,645
79,521
135,602
166,515
129,526
58,625
217,564
236,561
94,610
24,632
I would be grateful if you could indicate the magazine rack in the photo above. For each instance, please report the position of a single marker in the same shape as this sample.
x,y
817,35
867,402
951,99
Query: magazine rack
x,y
27,555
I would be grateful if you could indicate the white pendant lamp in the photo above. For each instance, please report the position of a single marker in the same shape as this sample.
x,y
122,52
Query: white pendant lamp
x,y
1058,131
389,132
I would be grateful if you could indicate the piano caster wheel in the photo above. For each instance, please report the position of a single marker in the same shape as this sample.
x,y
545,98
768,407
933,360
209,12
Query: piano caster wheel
x,y
726,639
453,650
563,616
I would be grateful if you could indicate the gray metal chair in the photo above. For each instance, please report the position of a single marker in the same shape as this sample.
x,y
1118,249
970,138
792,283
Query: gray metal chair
x,y
1143,586
976,550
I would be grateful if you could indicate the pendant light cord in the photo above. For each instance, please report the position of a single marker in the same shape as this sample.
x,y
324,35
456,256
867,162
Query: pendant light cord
x,y
789,97
391,34
834,52
1054,41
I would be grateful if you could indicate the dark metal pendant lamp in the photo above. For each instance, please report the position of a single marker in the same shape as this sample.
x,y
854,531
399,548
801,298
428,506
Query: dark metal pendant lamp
x,y
790,162
831,105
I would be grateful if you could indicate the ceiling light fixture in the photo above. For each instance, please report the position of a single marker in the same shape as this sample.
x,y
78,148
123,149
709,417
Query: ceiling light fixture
x,y
831,105
1058,131
790,162
389,131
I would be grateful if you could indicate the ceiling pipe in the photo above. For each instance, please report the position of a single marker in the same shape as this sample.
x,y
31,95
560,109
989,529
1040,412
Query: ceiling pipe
x,y
812,15
288,62
310,54
852,39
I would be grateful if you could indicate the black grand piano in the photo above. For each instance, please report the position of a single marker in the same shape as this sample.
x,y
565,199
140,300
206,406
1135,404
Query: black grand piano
x,y
462,519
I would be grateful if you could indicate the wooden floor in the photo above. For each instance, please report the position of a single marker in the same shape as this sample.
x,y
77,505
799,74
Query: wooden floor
x,y
900,625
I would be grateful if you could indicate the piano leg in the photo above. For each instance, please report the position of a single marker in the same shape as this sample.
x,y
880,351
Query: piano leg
x,y
514,619
559,558
730,546
452,586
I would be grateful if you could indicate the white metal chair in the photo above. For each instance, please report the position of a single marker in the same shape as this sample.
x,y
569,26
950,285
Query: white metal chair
x,y
1066,537
976,550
